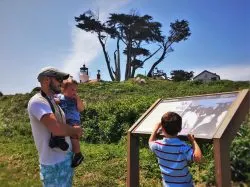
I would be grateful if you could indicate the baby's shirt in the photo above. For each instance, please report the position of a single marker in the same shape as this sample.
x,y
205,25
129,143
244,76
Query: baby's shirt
x,y
69,107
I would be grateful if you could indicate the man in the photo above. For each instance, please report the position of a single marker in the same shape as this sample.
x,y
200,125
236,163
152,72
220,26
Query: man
x,y
47,117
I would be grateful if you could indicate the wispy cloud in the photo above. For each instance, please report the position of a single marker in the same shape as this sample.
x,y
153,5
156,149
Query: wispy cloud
x,y
235,72
85,46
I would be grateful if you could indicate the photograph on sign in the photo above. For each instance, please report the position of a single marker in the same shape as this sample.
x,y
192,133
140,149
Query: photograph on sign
x,y
201,115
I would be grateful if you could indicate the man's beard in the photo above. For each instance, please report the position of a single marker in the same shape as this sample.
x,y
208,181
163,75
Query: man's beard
x,y
54,89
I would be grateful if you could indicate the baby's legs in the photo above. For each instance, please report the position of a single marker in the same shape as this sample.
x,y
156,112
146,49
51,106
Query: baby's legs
x,y
75,145
78,157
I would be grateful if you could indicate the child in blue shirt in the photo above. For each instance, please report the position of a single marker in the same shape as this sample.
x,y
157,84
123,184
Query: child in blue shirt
x,y
72,105
172,153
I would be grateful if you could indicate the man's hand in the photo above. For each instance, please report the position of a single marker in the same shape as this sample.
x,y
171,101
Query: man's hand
x,y
77,132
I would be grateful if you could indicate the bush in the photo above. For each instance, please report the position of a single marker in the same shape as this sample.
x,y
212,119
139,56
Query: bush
x,y
196,82
1,94
240,157
36,89
142,76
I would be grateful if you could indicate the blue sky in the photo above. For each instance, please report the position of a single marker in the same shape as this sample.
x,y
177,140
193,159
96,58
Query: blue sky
x,y
35,34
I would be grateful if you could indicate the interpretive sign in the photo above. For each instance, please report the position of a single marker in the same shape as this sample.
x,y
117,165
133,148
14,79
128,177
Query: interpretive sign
x,y
201,115
214,117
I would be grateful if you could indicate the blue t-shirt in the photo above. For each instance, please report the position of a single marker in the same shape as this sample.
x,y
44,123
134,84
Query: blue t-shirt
x,y
173,156
69,107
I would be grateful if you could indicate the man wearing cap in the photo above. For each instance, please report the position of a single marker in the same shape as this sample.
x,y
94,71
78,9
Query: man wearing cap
x,y
47,117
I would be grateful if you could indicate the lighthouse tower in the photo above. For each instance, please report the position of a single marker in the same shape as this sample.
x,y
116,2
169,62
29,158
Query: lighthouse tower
x,y
84,74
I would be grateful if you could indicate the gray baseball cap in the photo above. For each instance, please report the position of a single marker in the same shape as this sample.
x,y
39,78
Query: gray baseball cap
x,y
52,72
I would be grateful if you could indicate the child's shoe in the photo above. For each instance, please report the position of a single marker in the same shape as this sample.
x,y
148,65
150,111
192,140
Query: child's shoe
x,y
77,159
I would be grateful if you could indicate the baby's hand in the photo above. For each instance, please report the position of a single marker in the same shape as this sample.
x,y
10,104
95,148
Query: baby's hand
x,y
57,100
77,97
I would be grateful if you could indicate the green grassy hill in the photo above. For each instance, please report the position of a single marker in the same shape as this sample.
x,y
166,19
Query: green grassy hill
x,y
111,109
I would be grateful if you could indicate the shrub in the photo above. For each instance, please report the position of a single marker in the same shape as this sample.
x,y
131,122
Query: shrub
x,y
196,82
142,76
36,89
240,157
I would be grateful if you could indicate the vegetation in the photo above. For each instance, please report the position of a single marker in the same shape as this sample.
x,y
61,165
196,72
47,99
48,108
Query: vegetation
x,y
112,108
1,94
132,32
181,75
36,89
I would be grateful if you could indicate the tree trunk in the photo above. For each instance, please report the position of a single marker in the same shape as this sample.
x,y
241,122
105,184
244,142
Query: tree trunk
x,y
151,55
134,68
118,61
128,65
106,57
165,48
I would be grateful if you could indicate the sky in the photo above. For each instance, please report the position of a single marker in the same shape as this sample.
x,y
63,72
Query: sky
x,y
35,34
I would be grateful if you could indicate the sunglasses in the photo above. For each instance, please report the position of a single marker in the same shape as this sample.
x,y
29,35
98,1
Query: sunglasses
x,y
60,80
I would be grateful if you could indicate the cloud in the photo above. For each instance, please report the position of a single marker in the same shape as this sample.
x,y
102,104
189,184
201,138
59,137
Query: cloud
x,y
85,46
235,72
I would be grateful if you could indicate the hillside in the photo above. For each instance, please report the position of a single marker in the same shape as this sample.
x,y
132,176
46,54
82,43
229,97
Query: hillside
x,y
111,109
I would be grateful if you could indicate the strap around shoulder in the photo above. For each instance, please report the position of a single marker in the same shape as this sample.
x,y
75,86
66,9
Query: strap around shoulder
x,y
50,103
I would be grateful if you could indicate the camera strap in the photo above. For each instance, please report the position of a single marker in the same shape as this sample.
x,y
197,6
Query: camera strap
x,y
50,103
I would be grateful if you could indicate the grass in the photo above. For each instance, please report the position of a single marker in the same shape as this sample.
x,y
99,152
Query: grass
x,y
111,108
104,165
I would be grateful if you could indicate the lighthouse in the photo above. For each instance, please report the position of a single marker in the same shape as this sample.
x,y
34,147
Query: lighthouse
x,y
84,74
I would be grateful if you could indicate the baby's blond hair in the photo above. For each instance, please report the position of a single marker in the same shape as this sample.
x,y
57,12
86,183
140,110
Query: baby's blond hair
x,y
67,83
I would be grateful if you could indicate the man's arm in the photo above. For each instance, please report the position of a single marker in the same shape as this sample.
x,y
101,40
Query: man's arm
x,y
154,133
197,156
60,129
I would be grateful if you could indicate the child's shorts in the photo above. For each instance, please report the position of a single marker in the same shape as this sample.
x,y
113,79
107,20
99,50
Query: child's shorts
x,y
73,122
60,174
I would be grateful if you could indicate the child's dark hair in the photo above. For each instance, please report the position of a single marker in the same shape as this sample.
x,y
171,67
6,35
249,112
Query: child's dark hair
x,y
171,122
68,83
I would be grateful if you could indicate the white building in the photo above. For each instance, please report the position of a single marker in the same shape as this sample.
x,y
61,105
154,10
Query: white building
x,y
84,74
206,76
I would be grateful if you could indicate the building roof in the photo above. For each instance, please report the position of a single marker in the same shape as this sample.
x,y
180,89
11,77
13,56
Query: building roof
x,y
207,72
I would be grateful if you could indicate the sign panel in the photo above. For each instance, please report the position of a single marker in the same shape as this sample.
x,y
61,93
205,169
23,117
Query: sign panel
x,y
201,115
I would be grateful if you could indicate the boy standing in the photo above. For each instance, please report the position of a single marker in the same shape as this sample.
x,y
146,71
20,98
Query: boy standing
x,y
172,153
72,105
